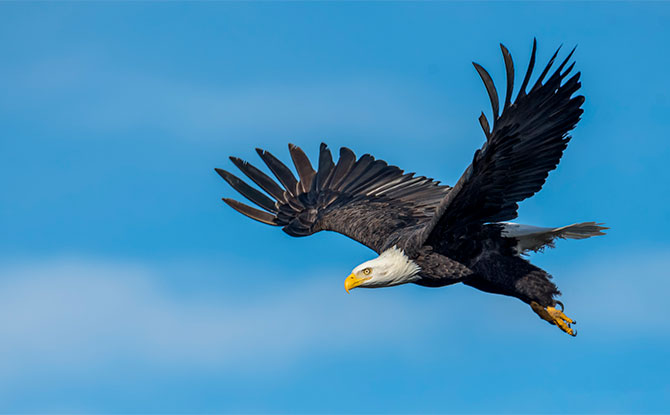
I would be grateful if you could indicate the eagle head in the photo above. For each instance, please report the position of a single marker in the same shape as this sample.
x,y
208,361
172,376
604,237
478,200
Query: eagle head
x,y
391,267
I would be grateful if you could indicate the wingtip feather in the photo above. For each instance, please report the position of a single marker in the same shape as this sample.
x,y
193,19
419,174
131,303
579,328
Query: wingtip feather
x,y
490,89
250,212
509,72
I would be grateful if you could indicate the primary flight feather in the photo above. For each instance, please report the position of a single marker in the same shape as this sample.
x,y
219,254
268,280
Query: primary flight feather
x,y
431,234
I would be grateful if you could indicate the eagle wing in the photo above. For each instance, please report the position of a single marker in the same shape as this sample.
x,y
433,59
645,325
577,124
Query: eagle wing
x,y
364,199
525,144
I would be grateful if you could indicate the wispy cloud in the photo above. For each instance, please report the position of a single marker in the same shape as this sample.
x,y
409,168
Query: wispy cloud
x,y
67,314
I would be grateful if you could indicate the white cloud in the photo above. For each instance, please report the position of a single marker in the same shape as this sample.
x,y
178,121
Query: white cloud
x,y
72,316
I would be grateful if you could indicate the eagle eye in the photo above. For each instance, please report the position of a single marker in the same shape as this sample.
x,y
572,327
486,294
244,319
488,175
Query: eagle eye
x,y
367,271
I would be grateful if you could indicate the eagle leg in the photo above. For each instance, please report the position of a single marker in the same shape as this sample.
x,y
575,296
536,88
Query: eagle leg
x,y
555,316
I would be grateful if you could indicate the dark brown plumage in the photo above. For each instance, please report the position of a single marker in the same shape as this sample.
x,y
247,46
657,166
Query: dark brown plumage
x,y
365,199
453,234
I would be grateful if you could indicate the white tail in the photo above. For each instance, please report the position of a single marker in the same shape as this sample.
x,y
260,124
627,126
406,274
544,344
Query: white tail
x,y
535,238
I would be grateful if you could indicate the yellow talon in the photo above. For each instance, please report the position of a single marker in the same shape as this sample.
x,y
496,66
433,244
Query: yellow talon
x,y
555,316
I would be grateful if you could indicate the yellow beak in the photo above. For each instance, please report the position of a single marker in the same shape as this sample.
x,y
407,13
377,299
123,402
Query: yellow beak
x,y
353,281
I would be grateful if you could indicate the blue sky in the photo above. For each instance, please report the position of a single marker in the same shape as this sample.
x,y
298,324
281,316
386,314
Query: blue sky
x,y
126,285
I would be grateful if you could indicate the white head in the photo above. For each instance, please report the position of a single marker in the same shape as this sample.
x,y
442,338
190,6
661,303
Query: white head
x,y
390,268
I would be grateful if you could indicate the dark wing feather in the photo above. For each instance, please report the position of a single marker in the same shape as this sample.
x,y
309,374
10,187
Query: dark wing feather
x,y
526,143
303,166
260,178
490,88
247,191
325,167
509,67
281,172
253,213
364,199
343,167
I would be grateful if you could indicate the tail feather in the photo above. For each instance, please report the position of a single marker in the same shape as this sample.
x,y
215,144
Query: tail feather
x,y
580,230
535,238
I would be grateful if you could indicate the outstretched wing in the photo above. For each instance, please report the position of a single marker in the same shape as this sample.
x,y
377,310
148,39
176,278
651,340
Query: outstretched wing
x,y
526,143
364,199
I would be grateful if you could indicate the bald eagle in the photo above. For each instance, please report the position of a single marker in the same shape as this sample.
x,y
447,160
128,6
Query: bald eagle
x,y
435,235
